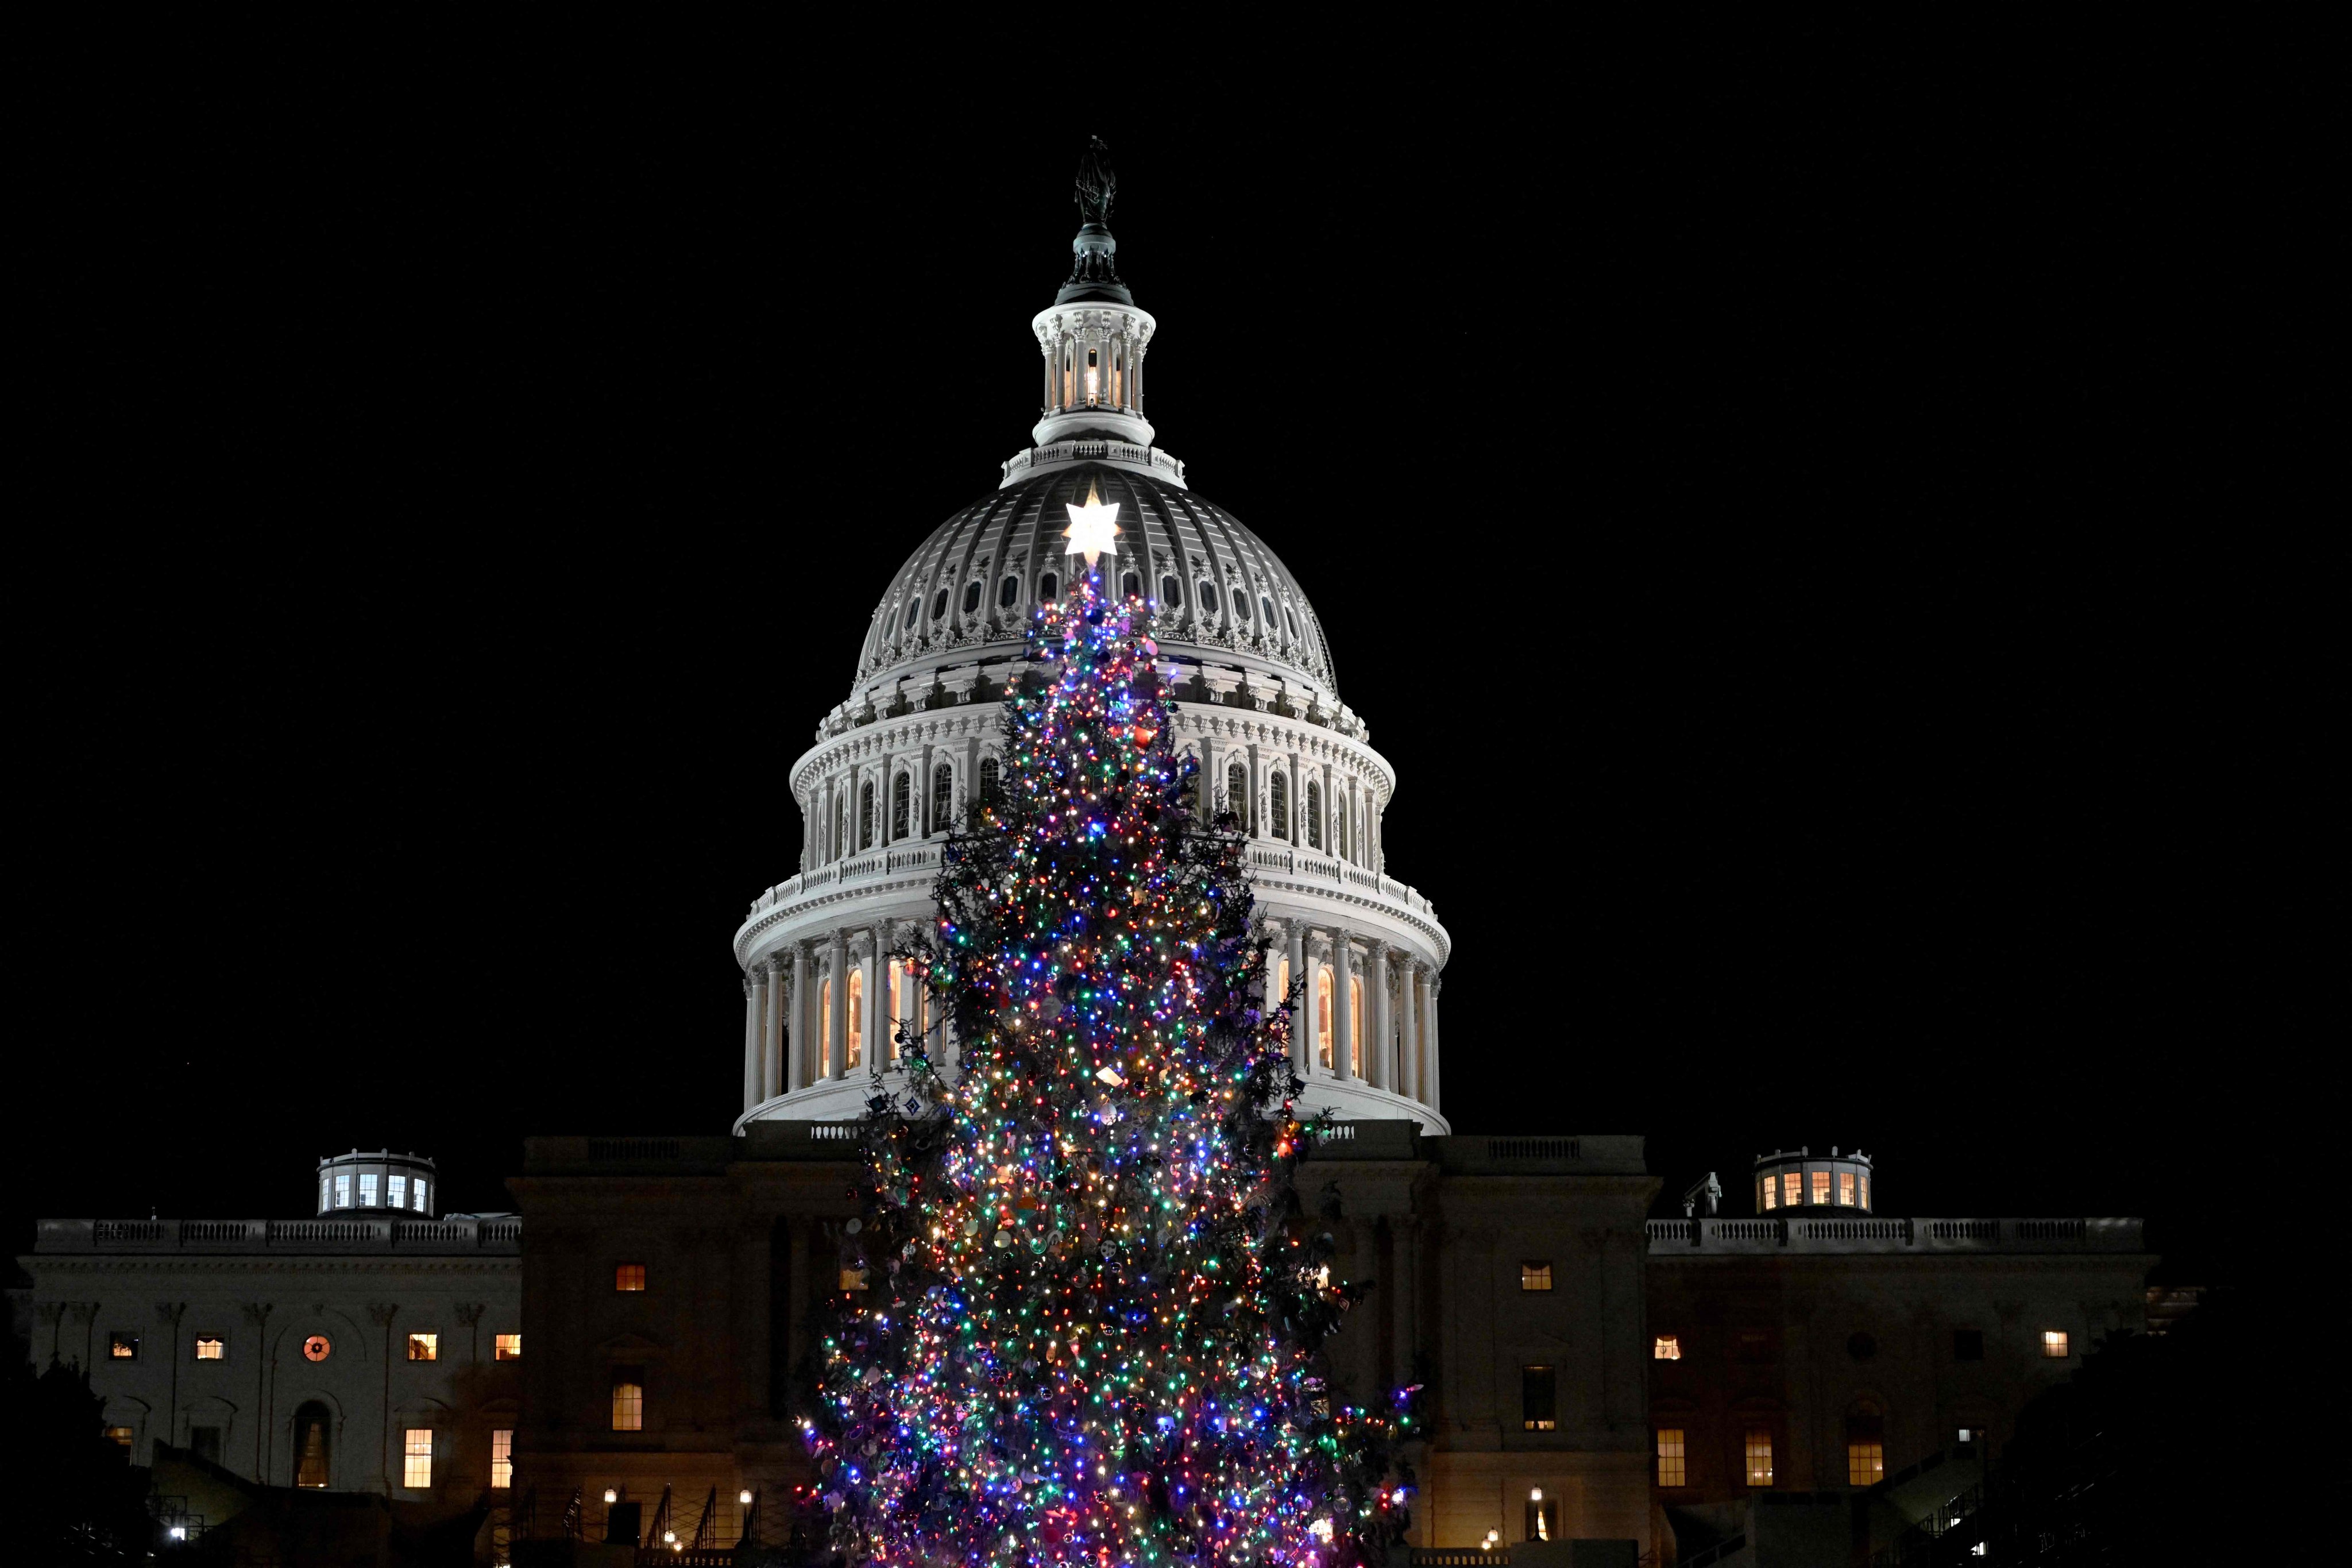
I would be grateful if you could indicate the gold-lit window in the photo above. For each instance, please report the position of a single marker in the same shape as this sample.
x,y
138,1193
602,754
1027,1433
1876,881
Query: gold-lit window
x,y
629,1276
1671,1472
1845,1189
856,1016
1323,1016
1356,1025
1758,1448
1866,1191
502,1457
122,1347
508,1347
1281,979
1865,1464
416,1458
824,1024
628,1403
1822,1187
212,1347
1791,1188
853,1280
1666,1347
424,1347
1772,1190
122,1435
2053,1343
1535,1276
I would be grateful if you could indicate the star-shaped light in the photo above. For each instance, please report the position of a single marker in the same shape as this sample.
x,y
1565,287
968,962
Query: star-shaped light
x,y
1092,526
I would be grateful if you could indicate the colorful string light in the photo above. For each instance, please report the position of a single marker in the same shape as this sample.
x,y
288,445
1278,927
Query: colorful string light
x,y
1093,1328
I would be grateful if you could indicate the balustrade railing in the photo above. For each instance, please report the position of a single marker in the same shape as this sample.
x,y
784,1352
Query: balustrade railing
x,y
1873,1233
370,1234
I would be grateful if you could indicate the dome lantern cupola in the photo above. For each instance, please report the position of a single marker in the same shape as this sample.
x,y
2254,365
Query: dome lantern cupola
x,y
1091,341
1802,1180
378,1180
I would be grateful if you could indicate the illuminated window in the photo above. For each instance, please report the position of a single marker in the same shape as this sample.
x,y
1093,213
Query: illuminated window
x,y
122,1435
342,1189
902,789
420,1195
212,1347
1538,1399
824,1024
1845,1189
1821,1188
1666,1347
853,1279
856,1016
424,1347
629,1276
1282,978
1865,1464
502,1457
1279,809
318,1347
992,781
508,1347
326,1193
1865,1190
1208,597
942,798
1671,1471
122,1347
1757,1447
1314,815
1771,1191
395,1192
1968,1344
1791,1194
416,1458
2053,1344
311,1439
1356,1025
1535,1276
628,1399
1323,1016
367,1189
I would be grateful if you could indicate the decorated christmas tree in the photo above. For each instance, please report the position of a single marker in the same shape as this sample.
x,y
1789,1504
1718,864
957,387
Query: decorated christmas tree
x,y
1093,1328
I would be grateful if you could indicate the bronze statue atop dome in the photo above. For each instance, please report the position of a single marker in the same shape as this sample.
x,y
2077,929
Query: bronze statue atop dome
x,y
1097,183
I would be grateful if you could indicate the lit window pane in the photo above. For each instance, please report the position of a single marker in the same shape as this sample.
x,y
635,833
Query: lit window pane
x,y
1865,1464
1821,1187
343,1190
395,1192
1790,1193
420,1195
629,1276
853,1280
502,1457
212,1348
1666,1347
1866,1192
416,1456
1535,1276
1845,1189
424,1347
1670,1457
122,1435
628,1406
122,1347
1758,1449
2053,1343
367,1189
1772,1193
509,1348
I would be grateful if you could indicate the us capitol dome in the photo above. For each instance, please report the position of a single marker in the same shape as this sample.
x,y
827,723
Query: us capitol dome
x,y
918,743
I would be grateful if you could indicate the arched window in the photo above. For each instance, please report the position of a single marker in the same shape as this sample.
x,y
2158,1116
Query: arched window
x,y
890,623
942,798
1237,792
1865,1446
1240,604
971,596
865,814
314,1437
841,824
990,773
1323,1016
1282,982
939,606
1343,818
1049,588
1172,592
1314,815
901,792
1356,1025
1290,619
824,1026
1006,591
1208,596
1131,587
1279,809
856,1016
1267,606
914,612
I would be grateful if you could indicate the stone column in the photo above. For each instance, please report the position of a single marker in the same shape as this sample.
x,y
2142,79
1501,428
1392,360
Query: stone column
x,y
877,1009
909,1009
837,1061
1302,1033
771,1044
755,996
804,1012
1376,1009
1297,813
1430,1043
1343,1030
1254,819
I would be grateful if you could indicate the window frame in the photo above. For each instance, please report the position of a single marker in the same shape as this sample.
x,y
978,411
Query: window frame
x,y
1755,1437
1538,1377
628,1399
500,1350
503,1459
219,1343
416,1458
628,1278
2057,1344
428,1341
1534,1274
1679,1456
1665,1347
122,1344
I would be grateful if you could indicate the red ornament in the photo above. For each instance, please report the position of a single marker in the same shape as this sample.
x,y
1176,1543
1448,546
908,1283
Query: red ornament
x,y
1143,734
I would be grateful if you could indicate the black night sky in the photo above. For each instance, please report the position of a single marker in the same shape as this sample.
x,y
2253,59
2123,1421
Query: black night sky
x,y
1807,526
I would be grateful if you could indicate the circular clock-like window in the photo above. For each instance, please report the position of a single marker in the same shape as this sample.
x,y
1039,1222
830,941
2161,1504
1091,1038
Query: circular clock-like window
x,y
316,1348
1862,1347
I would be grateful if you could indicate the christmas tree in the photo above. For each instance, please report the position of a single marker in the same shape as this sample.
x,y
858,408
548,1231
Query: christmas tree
x,y
1094,1310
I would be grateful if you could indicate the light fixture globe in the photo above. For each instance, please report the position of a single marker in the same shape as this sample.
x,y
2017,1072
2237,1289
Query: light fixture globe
x,y
916,749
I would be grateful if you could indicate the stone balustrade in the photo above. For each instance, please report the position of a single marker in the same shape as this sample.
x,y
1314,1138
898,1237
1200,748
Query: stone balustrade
x,y
456,1234
1032,460
1873,1233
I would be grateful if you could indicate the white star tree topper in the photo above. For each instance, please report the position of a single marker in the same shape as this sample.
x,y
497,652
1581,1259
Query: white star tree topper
x,y
1092,526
